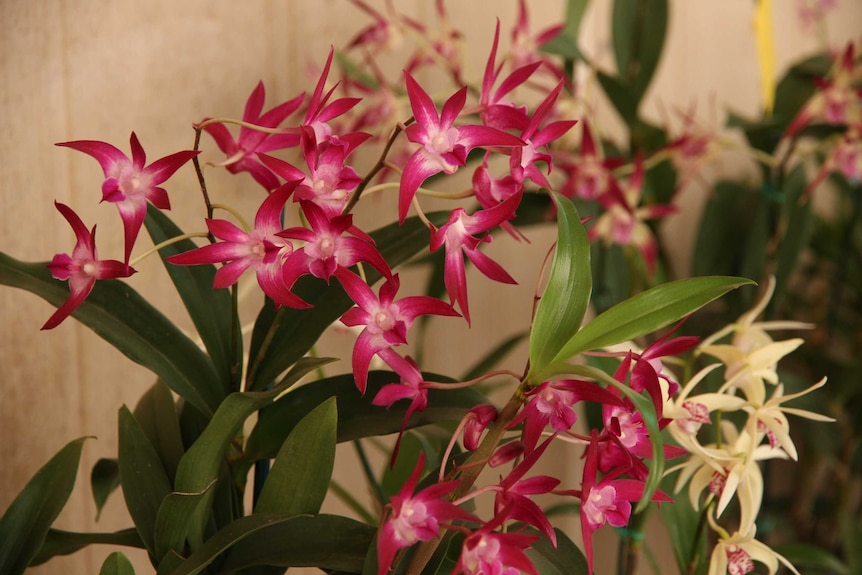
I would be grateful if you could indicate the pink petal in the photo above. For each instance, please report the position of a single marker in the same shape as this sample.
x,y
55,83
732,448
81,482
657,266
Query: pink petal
x,y
139,157
421,103
106,154
164,168
417,169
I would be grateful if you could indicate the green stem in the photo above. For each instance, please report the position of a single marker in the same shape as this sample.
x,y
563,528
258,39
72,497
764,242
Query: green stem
x,y
631,544
357,193
264,347
369,473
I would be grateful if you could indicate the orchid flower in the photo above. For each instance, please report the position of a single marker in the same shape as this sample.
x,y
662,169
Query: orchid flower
x,y
735,554
624,219
605,501
130,184
590,176
386,320
327,247
525,48
82,268
242,152
457,234
415,517
261,249
476,421
444,146
487,552
315,126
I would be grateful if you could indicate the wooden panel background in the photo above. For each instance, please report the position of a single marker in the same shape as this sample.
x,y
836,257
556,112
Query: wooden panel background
x,y
98,69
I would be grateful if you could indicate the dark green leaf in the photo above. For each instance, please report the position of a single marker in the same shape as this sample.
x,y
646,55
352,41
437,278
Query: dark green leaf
x,y
25,524
798,85
563,44
567,295
117,564
210,309
357,417
145,483
797,232
281,337
763,134
621,96
199,467
647,312
299,478
681,521
566,559
811,559
157,415
325,541
175,519
639,28
120,316
66,542
104,479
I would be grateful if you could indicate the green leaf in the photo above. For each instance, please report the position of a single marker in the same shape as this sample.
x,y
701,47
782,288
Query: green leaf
x,y
647,312
681,521
638,28
104,479
25,523
174,520
199,467
798,230
811,559
157,415
117,564
324,541
798,85
563,44
67,542
210,309
299,479
564,302
621,96
357,417
281,337
565,559
145,483
120,316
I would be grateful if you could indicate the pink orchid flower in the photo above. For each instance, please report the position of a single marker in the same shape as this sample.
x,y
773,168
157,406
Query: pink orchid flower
x,y
606,501
129,184
315,126
386,320
495,109
327,248
82,268
444,146
476,422
525,48
590,176
457,234
261,249
491,191
487,552
242,153
415,517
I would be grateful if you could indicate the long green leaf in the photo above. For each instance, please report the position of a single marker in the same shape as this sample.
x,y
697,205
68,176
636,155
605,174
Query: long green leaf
x,y
210,309
357,417
174,520
157,415
120,316
324,541
647,312
798,231
299,479
25,524
117,564
60,542
142,476
567,295
199,466
565,559
281,337
639,28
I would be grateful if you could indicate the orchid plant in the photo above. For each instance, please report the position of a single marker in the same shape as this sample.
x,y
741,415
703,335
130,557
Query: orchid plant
x,y
628,386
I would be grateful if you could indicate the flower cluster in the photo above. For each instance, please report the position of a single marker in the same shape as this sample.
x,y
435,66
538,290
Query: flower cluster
x,y
719,472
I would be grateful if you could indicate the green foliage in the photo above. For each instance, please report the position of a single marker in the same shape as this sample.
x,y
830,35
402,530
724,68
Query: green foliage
x,y
117,564
564,302
565,559
25,524
104,479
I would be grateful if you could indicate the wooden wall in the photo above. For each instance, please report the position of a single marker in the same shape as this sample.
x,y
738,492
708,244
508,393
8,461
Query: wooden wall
x,y
98,69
